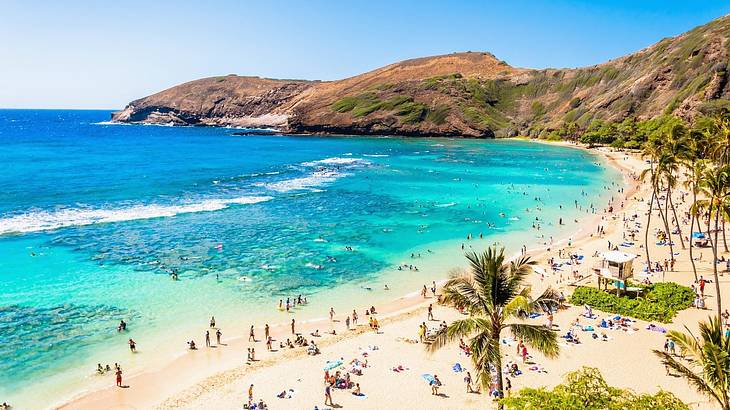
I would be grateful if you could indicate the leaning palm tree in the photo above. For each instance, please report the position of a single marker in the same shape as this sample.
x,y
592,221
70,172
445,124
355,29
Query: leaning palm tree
x,y
494,295
708,360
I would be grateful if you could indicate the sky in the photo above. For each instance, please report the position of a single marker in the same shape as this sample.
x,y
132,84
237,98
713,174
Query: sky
x,y
100,54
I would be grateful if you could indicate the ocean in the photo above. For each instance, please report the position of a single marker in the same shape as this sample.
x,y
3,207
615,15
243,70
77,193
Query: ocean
x,y
95,217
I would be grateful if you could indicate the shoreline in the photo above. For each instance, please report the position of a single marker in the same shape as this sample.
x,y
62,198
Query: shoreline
x,y
225,361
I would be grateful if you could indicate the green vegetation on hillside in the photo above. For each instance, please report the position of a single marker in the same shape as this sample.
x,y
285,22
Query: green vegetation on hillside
x,y
660,302
404,107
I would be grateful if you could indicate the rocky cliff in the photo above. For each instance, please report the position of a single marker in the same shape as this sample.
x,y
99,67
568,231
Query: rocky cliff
x,y
470,94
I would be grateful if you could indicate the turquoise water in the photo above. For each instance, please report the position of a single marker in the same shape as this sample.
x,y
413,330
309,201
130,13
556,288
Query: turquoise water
x,y
94,218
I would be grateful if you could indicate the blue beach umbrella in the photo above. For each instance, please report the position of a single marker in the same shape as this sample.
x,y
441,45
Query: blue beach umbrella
x,y
332,364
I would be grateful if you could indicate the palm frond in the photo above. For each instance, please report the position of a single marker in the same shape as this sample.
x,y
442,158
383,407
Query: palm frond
x,y
538,337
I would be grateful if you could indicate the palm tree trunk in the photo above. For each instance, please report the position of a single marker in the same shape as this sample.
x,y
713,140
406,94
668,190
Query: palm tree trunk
x,y
669,235
724,240
691,230
646,232
714,265
498,365
679,226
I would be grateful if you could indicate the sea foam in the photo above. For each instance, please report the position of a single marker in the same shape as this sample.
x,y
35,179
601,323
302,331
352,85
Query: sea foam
x,y
36,221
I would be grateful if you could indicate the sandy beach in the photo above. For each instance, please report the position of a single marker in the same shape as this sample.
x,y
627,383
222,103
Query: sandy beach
x,y
220,376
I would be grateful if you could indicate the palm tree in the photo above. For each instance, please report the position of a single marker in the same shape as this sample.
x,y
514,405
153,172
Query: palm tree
x,y
715,186
708,360
694,175
493,293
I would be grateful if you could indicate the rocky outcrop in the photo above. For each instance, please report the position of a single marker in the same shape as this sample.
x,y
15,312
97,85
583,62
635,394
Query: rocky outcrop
x,y
470,94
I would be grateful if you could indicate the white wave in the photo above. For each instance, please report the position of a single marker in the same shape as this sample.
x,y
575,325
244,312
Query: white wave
x,y
376,155
307,182
110,123
445,205
36,221
336,161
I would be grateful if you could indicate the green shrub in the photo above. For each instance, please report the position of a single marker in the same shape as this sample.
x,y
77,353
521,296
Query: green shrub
x,y
437,114
587,389
660,302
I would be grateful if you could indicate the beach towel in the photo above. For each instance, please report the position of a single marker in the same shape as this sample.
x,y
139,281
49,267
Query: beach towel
x,y
457,368
361,396
655,328
534,315
587,328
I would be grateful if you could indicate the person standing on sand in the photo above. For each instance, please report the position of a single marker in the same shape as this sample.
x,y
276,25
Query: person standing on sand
x,y
332,314
218,335
467,380
132,346
435,384
424,291
212,321
292,327
422,331
328,395
266,332
354,318
251,335
250,393
430,312
119,377
347,322
207,338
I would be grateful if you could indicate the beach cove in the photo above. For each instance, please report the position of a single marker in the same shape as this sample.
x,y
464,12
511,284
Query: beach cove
x,y
50,236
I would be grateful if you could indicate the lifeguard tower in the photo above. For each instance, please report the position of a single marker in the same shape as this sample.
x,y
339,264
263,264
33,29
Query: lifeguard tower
x,y
615,269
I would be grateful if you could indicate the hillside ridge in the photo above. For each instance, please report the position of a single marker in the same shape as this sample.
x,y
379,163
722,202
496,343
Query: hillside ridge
x,y
470,94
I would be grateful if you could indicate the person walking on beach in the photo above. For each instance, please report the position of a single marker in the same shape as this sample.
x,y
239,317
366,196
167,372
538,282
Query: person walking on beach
x,y
332,314
354,318
467,380
268,343
430,312
250,393
292,327
218,335
435,384
251,335
423,292
207,338
328,395
266,332
212,321
132,345
347,322
119,377
422,331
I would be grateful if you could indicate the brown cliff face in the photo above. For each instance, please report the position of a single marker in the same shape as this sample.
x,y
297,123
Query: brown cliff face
x,y
463,94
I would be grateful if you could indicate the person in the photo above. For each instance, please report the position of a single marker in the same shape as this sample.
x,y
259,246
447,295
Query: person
x,y
191,345
207,338
119,377
430,312
347,322
354,318
250,393
266,331
122,326
328,395
132,345
467,380
435,383
507,385
422,331
251,335
212,321
356,391
332,314
268,343
99,369
218,335
292,327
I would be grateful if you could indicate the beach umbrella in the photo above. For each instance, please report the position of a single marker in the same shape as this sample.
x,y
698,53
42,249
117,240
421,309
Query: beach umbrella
x,y
332,364
428,378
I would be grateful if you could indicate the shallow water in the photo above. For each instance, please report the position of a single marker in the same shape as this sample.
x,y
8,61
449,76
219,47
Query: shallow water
x,y
95,217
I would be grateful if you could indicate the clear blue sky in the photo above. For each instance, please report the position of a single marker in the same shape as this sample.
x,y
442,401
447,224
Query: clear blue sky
x,y
102,54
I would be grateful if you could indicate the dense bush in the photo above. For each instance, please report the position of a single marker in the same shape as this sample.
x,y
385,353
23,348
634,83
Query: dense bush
x,y
586,389
660,301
